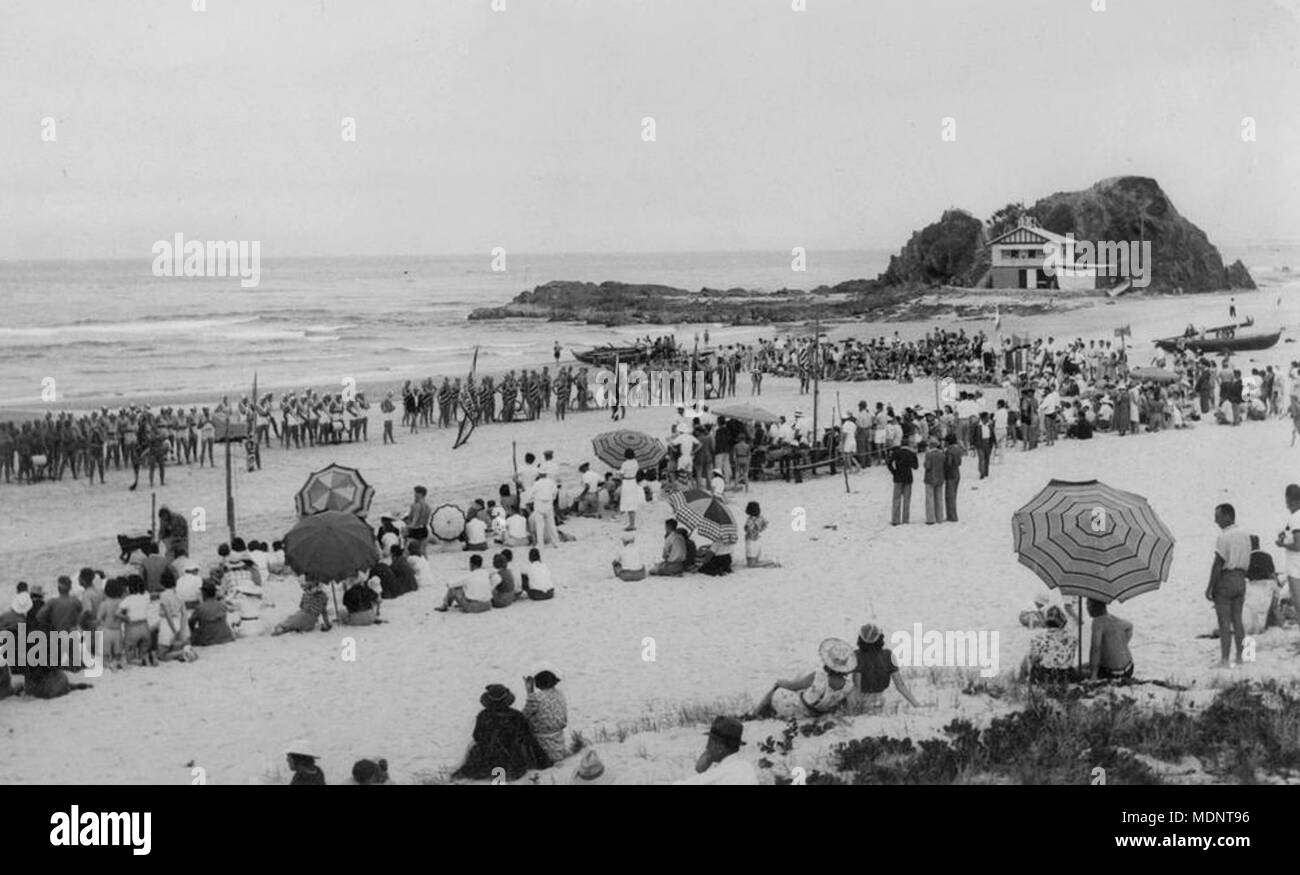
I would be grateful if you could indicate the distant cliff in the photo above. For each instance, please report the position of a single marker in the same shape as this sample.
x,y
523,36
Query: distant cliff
x,y
950,252
953,251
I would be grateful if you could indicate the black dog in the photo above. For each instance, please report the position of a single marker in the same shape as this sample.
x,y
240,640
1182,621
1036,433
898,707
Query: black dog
x,y
129,545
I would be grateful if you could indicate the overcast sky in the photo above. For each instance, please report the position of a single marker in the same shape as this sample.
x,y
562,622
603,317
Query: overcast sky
x,y
523,128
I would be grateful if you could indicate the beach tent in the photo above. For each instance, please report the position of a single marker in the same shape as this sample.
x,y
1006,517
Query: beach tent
x,y
610,447
447,522
705,513
1093,541
335,487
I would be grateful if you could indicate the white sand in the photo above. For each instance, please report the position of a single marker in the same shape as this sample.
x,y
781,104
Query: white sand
x,y
411,694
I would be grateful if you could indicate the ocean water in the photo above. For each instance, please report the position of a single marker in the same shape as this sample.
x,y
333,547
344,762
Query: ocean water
x,y
111,328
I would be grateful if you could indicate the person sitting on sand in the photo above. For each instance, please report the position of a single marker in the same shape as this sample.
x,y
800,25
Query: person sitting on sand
x,y
134,611
174,625
1034,616
403,574
371,770
818,692
302,762
1108,655
475,534
537,582
504,588
503,740
208,625
876,668
674,551
1052,650
517,528
473,592
755,524
721,763
547,711
1261,589
313,609
629,565
361,601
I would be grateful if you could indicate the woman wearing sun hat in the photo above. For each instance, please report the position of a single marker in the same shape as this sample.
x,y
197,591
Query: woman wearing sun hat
x,y
818,692
502,740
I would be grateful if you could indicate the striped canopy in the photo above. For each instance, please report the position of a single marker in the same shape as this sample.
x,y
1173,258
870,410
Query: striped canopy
x,y
1088,539
610,447
705,513
335,487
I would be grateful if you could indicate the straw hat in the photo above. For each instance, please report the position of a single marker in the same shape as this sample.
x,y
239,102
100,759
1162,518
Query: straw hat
x,y
302,747
591,770
838,655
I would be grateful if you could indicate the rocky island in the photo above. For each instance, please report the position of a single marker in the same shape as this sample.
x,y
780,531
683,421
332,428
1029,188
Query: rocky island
x,y
948,257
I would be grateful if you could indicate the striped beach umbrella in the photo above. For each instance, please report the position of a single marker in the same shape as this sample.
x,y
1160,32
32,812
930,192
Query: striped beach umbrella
x,y
611,446
705,513
447,522
335,487
1090,540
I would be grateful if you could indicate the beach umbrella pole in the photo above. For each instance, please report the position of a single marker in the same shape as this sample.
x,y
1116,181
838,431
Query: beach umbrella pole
x,y
337,615
1079,619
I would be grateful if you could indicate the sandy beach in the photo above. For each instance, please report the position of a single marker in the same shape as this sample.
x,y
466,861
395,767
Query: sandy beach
x,y
411,692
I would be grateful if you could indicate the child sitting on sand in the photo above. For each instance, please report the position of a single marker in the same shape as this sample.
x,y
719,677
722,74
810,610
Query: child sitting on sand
x,y
312,609
754,526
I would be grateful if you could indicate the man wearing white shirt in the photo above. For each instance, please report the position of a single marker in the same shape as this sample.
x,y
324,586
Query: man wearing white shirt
x,y
475,533
1050,408
721,763
539,586
587,502
549,466
544,492
528,472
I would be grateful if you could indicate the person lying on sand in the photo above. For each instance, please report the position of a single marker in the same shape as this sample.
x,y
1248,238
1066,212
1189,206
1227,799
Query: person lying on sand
x,y
818,692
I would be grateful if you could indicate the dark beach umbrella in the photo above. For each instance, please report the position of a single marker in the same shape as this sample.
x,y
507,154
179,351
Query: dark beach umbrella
x,y
447,522
330,545
335,487
611,446
706,513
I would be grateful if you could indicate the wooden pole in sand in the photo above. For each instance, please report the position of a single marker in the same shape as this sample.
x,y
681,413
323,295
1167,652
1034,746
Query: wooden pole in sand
x,y
153,516
230,495
846,467
814,359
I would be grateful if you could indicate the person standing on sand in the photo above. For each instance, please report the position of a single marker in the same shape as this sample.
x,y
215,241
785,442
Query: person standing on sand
x,y
417,520
1289,540
984,441
901,463
1227,587
952,455
933,480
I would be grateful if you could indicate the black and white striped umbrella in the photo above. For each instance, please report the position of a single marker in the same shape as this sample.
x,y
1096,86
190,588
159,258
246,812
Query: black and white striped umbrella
x,y
1091,540
705,513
